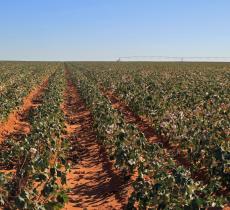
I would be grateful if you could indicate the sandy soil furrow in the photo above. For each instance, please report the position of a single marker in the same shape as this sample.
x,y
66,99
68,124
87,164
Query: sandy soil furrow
x,y
145,126
93,182
16,123
16,127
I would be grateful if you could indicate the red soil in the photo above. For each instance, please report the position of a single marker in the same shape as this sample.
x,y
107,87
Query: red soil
x,y
16,123
93,182
17,126
131,118
144,125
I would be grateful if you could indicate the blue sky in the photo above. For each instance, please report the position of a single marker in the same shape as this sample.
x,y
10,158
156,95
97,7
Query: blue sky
x,y
107,29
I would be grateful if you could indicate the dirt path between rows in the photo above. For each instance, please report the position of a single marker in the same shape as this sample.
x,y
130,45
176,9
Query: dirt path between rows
x,y
92,181
16,123
131,118
145,127
16,127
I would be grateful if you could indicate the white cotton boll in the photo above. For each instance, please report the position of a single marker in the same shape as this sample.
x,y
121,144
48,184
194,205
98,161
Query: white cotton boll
x,y
181,114
174,127
131,162
33,150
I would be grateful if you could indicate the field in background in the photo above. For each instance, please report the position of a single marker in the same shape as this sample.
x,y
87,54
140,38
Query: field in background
x,y
111,135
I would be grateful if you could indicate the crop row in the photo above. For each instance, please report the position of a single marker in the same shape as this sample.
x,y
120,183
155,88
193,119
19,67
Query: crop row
x,y
188,104
18,81
160,182
39,175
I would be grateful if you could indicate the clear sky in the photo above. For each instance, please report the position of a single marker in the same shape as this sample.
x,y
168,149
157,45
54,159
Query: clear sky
x,y
107,29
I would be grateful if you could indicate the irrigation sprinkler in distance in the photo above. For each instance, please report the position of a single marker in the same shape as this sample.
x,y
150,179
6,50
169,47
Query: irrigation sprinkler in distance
x,y
173,58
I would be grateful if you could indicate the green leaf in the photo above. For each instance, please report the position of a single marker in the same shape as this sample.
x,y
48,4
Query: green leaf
x,y
52,171
40,177
197,203
62,198
20,202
